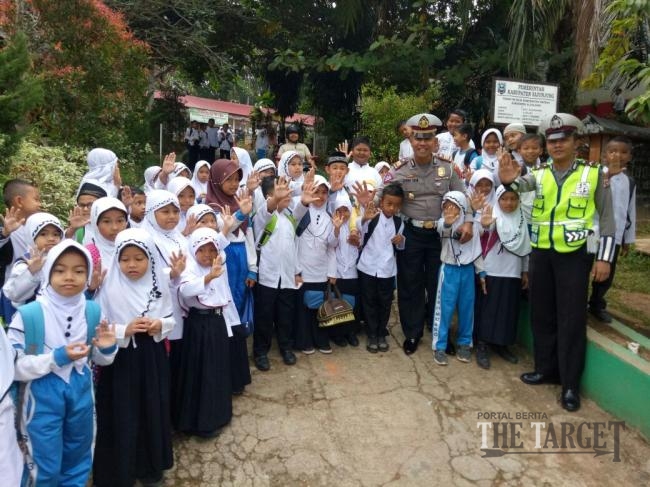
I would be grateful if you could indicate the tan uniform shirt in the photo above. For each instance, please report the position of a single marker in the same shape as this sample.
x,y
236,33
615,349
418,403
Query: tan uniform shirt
x,y
424,186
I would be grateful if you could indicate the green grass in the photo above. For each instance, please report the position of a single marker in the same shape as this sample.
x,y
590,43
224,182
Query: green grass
x,y
632,272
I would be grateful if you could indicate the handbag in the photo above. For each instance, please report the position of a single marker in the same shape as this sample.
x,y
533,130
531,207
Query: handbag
x,y
335,310
247,320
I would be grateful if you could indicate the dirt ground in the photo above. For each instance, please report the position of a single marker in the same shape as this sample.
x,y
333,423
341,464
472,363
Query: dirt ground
x,y
359,419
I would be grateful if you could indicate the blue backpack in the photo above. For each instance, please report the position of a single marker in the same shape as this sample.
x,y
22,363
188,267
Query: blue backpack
x,y
34,322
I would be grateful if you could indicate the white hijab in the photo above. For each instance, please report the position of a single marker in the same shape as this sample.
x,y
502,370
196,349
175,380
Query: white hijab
x,y
490,161
216,292
200,210
245,164
106,247
199,187
38,221
283,166
101,168
512,227
179,167
468,252
490,199
150,176
167,241
176,186
64,314
124,299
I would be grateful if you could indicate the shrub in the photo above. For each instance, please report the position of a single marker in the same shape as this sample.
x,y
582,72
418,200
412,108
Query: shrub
x,y
56,171
382,109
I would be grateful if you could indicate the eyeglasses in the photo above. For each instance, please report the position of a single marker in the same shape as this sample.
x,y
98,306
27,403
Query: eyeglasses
x,y
85,206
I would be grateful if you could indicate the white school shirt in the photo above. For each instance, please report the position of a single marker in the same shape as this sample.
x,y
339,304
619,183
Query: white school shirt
x,y
358,173
31,367
378,256
405,149
21,284
238,235
346,255
278,264
316,256
446,144
213,136
500,262
190,290
204,142
624,208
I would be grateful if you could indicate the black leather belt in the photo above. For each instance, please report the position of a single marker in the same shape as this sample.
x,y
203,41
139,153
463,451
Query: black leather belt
x,y
206,311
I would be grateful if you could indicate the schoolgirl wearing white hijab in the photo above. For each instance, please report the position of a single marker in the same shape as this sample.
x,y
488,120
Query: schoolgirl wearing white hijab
x,y
44,231
204,215
151,177
58,379
202,390
505,247
133,397
108,217
491,140
103,169
263,168
200,179
291,167
460,261
184,191
244,159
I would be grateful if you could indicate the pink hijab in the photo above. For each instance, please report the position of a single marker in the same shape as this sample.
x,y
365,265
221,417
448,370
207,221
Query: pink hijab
x,y
221,170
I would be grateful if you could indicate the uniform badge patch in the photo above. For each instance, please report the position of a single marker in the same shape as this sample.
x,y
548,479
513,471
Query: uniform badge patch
x,y
582,189
441,172
411,196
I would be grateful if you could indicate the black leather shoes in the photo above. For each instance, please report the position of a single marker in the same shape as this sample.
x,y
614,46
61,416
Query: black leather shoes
x,y
410,345
535,379
262,363
483,355
570,400
288,357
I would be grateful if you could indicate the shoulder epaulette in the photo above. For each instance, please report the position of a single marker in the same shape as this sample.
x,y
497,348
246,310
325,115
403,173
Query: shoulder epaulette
x,y
399,164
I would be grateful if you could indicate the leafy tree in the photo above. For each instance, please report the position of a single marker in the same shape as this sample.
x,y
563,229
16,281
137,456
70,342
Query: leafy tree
x,y
382,109
20,93
624,58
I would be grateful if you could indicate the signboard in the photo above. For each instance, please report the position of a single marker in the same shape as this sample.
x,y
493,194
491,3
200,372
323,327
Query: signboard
x,y
515,101
202,116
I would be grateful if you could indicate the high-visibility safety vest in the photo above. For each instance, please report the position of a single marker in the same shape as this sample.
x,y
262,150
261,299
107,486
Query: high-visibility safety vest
x,y
562,217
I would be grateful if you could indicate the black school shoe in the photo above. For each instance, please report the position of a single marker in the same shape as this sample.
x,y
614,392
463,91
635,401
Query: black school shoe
x,y
262,363
506,354
288,357
382,344
483,355
352,340
340,341
600,314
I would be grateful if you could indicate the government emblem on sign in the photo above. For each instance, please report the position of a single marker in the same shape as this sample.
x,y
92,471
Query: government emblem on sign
x,y
501,87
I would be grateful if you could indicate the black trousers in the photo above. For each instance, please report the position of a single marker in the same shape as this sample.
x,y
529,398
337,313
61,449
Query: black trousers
x,y
224,153
599,289
308,334
417,278
558,311
273,306
193,152
377,297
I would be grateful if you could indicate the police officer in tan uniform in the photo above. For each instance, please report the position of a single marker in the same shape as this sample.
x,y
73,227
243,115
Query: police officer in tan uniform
x,y
425,180
569,192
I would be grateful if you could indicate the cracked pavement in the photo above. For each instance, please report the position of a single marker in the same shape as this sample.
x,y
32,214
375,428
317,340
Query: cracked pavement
x,y
358,419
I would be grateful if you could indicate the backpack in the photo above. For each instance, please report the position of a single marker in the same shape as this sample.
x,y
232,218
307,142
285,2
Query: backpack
x,y
270,228
34,323
469,156
371,228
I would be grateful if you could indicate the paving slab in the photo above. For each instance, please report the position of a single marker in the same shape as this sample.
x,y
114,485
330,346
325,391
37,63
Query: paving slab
x,y
358,419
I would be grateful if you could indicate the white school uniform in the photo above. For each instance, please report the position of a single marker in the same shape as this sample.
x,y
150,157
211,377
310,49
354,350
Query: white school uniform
x,y
316,255
378,256
276,271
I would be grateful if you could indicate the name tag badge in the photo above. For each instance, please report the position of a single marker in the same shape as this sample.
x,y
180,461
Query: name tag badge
x,y
539,192
582,189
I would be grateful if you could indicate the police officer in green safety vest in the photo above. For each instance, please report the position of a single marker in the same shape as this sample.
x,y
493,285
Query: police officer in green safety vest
x,y
569,194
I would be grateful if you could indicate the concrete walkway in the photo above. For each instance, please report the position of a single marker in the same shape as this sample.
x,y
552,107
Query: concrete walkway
x,y
356,419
